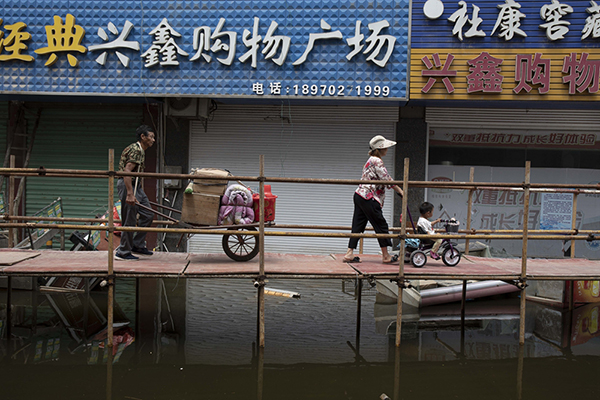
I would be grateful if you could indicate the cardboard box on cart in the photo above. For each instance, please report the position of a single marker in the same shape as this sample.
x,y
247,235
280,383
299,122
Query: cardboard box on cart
x,y
210,186
200,209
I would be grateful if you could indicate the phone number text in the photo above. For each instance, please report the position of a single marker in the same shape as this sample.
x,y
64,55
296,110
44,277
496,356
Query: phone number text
x,y
276,89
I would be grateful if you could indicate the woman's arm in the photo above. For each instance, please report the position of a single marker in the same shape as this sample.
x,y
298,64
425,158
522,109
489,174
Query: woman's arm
x,y
382,173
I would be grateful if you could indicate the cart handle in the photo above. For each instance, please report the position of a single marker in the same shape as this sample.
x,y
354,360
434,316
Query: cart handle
x,y
155,212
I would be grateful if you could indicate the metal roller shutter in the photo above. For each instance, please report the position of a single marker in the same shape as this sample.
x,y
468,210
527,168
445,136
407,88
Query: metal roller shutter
x,y
3,144
297,141
522,119
78,136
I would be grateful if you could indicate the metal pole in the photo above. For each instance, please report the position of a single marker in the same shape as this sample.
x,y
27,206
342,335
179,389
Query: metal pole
x,y
401,255
469,207
111,226
524,252
261,259
11,204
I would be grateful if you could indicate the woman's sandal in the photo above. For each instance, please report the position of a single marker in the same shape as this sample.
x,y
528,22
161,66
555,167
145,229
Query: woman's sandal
x,y
354,260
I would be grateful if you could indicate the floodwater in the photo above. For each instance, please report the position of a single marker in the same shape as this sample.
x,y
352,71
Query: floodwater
x,y
196,339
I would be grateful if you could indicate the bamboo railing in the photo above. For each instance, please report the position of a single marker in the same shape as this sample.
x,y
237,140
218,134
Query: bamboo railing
x,y
13,222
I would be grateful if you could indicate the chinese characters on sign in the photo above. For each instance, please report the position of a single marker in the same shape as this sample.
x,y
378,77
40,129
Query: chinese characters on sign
x,y
548,139
63,38
14,42
165,51
510,17
486,73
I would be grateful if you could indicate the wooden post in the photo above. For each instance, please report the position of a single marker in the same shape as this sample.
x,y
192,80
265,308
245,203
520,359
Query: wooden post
x,y
397,374
9,320
401,254
260,373
111,226
261,255
574,223
109,373
573,227
359,287
11,204
462,318
521,357
524,251
469,207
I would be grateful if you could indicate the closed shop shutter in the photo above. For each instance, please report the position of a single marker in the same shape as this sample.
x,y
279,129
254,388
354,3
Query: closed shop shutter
x,y
78,136
297,141
3,137
521,119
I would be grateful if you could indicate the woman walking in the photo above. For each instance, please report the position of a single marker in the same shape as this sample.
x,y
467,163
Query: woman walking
x,y
368,199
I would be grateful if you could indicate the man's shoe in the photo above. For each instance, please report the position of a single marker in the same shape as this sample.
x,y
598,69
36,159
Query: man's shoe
x,y
128,257
143,251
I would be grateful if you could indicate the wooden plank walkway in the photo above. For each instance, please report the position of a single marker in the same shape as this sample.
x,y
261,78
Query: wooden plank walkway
x,y
480,268
189,265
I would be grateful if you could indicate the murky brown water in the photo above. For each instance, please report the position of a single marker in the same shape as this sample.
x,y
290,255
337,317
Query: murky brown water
x,y
195,339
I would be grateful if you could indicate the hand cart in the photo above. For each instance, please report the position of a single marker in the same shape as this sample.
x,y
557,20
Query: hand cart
x,y
238,246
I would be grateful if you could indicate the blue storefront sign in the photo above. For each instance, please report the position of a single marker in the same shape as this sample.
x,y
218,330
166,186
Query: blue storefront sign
x,y
507,50
326,49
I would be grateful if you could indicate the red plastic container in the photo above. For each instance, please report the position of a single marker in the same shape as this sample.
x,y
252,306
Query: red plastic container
x,y
269,205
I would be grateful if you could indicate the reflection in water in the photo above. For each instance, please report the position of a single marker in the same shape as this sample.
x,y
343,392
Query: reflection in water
x,y
197,339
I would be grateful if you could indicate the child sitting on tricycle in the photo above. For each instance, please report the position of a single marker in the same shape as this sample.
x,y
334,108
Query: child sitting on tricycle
x,y
417,250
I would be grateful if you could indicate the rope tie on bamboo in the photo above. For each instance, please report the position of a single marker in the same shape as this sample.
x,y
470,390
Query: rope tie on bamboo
x,y
591,237
41,171
260,281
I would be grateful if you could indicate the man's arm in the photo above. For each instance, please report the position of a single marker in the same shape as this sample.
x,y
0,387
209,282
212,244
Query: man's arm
x,y
129,167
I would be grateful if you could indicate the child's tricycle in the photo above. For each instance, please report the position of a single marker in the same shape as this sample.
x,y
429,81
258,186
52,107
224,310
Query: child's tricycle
x,y
416,250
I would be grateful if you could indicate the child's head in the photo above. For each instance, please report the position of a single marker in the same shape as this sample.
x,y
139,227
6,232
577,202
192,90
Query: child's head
x,y
426,208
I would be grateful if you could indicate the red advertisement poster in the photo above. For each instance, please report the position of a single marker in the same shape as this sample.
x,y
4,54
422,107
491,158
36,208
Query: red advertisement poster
x,y
585,324
586,292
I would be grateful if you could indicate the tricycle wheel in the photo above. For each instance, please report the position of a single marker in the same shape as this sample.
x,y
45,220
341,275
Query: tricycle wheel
x,y
240,247
451,256
418,258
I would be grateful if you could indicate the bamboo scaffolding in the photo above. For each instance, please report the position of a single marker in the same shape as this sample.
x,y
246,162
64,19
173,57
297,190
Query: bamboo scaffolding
x,y
13,222
534,187
111,226
261,259
469,208
212,231
400,281
524,253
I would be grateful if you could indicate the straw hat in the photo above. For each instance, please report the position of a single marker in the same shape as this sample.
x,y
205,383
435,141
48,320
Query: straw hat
x,y
379,142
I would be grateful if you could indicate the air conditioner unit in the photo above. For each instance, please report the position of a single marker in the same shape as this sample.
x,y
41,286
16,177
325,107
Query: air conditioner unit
x,y
182,107
187,107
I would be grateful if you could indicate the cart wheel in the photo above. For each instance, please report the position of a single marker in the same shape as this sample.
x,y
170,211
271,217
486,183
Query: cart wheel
x,y
451,256
418,258
240,247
